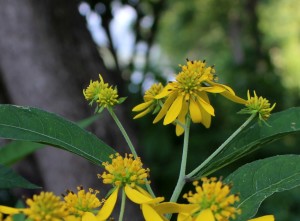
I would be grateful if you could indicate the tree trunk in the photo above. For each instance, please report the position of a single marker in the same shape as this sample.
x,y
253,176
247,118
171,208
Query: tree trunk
x,y
47,58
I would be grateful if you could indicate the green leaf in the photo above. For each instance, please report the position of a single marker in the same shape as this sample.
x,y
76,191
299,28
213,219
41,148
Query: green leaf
x,y
9,179
258,180
254,137
35,125
17,150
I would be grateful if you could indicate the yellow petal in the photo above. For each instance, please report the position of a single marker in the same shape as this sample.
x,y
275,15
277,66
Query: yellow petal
x,y
184,217
214,89
222,85
206,117
88,216
233,97
10,210
142,113
165,107
150,214
108,205
174,110
142,106
263,218
195,111
206,215
206,106
170,207
139,198
181,118
165,92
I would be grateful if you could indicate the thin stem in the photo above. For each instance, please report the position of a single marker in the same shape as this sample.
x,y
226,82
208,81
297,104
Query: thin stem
x,y
181,179
217,151
125,135
129,143
123,200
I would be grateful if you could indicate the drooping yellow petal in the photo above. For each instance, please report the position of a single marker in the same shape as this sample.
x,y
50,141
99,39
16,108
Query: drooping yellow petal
x,y
108,205
264,218
142,106
150,214
214,89
170,207
233,97
165,107
181,118
165,92
142,113
184,217
206,215
229,89
174,110
139,198
206,117
206,106
10,210
195,111
88,216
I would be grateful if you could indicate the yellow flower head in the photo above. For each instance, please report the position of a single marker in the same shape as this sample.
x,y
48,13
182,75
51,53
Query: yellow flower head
x,y
213,197
45,207
92,91
105,95
151,104
187,96
82,201
124,171
258,105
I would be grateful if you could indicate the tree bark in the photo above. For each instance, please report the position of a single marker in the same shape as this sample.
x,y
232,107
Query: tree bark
x,y
47,58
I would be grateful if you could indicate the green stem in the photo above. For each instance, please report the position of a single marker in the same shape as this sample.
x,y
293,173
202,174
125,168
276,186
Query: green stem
x,y
129,143
182,177
217,151
123,200
125,135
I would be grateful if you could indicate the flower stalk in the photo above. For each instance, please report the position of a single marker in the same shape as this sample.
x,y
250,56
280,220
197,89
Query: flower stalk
x,y
217,151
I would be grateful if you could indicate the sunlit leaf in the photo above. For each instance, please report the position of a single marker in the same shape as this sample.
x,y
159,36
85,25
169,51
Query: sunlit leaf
x,y
256,181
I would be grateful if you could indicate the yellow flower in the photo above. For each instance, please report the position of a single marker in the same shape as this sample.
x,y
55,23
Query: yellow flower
x,y
151,104
128,174
188,96
124,171
92,91
258,105
78,204
105,95
214,202
43,207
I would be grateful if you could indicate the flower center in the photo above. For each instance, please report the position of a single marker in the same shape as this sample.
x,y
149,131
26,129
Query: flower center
x,y
122,171
46,207
214,195
82,202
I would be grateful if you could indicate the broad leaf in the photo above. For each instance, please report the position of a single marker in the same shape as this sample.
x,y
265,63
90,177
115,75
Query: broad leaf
x,y
258,180
253,138
9,179
17,150
32,124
